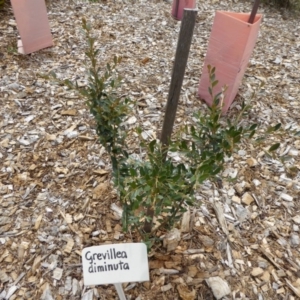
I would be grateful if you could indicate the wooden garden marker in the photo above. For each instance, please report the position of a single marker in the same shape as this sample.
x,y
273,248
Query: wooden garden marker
x,y
181,57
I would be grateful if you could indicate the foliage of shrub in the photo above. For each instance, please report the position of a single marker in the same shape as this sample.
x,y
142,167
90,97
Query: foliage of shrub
x,y
153,188
291,5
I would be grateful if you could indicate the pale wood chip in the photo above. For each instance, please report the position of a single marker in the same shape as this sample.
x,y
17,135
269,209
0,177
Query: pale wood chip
x,y
257,272
185,222
3,277
69,112
220,215
171,239
100,172
57,273
36,263
86,138
219,286
38,222
69,218
69,246
108,226
11,291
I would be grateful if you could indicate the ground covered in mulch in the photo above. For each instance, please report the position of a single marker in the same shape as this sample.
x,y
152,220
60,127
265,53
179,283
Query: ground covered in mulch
x,y
56,195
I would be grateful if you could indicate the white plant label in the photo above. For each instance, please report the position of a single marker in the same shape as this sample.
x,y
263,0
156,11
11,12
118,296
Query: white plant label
x,y
115,263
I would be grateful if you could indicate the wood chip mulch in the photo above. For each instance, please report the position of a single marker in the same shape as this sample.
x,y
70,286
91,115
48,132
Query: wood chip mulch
x,y
240,239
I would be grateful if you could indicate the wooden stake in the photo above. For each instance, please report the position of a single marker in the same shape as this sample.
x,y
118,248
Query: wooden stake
x,y
254,11
181,57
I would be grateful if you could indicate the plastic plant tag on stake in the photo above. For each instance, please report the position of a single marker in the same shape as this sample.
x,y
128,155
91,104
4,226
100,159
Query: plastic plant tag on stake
x,y
120,291
179,5
230,46
33,25
114,264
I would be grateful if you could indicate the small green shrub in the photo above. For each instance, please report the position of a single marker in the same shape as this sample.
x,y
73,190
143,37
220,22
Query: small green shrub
x,y
108,108
155,189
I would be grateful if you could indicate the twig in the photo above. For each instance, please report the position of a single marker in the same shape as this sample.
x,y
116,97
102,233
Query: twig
x,y
73,266
296,291
220,216
268,256
19,278
11,233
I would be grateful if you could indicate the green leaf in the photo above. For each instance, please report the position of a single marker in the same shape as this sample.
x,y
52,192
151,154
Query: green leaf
x,y
214,83
132,172
273,128
277,126
251,134
218,95
151,146
253,127
274,147
236,139
202,178
216,171
205,168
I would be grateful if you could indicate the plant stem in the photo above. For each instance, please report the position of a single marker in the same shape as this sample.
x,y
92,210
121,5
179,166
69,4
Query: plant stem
x,y
148,224
168,219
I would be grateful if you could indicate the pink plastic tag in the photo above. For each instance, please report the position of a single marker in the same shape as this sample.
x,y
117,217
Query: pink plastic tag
x,y
178,7
230,46
33,25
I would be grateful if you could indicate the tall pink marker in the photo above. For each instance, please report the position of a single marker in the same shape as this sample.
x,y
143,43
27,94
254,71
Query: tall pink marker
x,y
230,46
178,7
33,25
